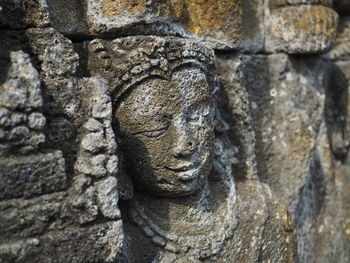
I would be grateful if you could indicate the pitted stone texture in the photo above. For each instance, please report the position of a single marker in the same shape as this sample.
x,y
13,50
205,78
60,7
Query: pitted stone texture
x,y
94,190
82,200
217,21
97,140
107,197
20,100
54,51
287,104
301,29
59,71
128,60
68,17
22,89
110,18
32,175
95,243
17,14
262,219
22,218
166,120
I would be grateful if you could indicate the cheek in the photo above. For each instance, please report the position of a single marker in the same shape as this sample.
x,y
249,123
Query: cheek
x,y
157,150
135,151
205,134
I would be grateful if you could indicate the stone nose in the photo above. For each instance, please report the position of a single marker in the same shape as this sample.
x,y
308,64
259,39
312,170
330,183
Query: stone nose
x,y
185,146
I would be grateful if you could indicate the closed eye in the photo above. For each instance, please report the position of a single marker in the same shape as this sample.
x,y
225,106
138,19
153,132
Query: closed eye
x,y
152,133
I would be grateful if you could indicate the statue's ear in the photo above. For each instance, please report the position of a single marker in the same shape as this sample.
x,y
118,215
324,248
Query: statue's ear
x,y
125,185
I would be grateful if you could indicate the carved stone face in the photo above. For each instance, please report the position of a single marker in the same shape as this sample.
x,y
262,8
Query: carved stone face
x,y
166,127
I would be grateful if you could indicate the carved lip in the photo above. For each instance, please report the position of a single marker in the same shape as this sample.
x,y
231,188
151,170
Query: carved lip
x,y
182,168
188,175
185,172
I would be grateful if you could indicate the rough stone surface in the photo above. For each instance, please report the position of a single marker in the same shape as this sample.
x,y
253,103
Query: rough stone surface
x,y
17,14
100,241
163,141
285,125
174,131
301,29
217,21
32,175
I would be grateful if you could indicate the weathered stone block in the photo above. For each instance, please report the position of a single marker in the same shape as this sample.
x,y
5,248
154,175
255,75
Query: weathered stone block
x,y
217,21
106,17
16,14
32,175
234,107
26,218
301,29
54,51
21,90
253,25
97,243
340,53
287,104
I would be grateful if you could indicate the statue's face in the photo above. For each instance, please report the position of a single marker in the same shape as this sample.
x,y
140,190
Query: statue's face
x,y
166,127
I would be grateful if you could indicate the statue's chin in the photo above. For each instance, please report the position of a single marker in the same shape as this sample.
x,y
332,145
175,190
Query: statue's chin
x,y
174,184
175,191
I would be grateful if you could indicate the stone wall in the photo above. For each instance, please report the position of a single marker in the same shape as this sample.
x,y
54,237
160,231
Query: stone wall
x,y
278,72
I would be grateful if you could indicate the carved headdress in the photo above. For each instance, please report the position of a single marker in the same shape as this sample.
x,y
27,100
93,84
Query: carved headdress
x,y
127,61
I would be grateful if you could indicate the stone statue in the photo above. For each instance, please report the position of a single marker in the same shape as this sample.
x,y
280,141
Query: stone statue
x,y
185,207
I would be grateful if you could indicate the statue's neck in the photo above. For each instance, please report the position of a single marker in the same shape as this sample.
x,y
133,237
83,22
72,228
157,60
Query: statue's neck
x,y
171,209
196,222
201,211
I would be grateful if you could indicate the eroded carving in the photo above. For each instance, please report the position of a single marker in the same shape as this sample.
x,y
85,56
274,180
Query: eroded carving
x,y
175,148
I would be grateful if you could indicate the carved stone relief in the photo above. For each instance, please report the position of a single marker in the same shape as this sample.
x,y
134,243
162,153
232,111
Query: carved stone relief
x,y
177,152
174,131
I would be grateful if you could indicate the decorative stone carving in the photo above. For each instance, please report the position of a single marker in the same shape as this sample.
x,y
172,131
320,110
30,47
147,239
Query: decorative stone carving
x,y
186,206
116,144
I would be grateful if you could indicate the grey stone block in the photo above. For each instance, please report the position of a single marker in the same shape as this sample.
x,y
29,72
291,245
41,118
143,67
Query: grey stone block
x,y
32,175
